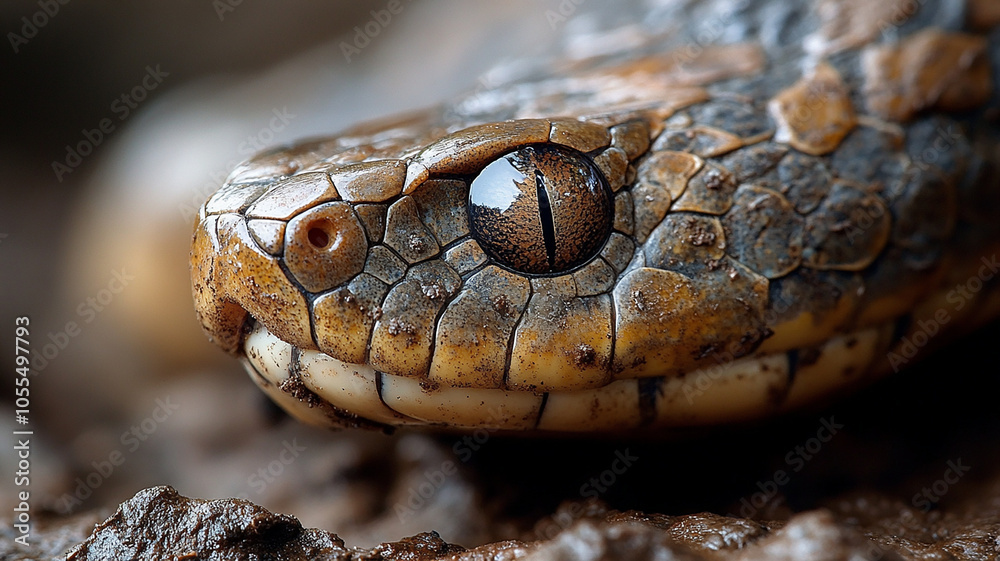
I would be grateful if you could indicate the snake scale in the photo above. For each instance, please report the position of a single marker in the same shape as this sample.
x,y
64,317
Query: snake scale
x,y
726,211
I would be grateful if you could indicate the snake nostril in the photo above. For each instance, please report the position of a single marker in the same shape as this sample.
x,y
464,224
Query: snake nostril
x,y
318,236
325,246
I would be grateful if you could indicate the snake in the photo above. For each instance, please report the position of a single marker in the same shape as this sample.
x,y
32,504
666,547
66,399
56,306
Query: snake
x,y
685,225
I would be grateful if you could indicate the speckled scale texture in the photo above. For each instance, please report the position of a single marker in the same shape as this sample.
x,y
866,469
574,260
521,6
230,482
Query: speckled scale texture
x,y
777,194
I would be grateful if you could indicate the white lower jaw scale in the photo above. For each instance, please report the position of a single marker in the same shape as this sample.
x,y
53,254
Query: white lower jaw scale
x,y
744,389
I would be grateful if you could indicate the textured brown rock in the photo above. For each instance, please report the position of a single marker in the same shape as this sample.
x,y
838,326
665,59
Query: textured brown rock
x,y
160,524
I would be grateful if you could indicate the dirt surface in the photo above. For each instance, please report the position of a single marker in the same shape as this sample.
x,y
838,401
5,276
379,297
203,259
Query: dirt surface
x,y
160,524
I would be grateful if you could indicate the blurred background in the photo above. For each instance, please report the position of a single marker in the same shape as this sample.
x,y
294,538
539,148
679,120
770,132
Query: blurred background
x,y
122,118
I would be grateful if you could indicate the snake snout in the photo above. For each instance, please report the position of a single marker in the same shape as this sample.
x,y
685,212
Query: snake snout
x,y
234,280
221,317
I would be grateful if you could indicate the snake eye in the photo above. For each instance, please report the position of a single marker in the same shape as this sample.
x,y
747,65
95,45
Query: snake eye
x,y
541,209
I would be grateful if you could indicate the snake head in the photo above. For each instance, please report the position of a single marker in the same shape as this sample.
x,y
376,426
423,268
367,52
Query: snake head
x,y
639,268
501,262
710,239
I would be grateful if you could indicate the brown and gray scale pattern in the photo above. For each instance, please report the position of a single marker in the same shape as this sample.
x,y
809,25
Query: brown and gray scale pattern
x,y
790,200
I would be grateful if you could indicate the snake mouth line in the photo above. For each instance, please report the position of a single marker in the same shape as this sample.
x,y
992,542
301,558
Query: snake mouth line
x,y
321,390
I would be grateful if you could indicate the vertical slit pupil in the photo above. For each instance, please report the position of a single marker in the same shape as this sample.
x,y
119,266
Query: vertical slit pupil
x,y
545,213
